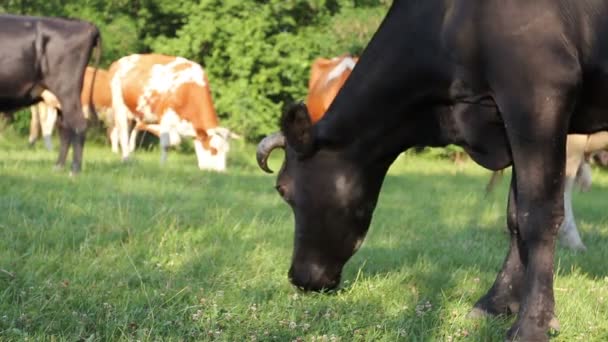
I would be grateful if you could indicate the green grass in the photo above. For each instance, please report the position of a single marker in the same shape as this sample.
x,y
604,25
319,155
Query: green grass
x,y
142,252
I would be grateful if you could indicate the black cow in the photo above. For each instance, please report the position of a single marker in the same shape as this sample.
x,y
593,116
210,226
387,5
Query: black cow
x,y
46,57
507,80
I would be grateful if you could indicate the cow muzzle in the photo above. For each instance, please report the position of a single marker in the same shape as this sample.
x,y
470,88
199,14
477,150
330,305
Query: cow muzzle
x,y
314,277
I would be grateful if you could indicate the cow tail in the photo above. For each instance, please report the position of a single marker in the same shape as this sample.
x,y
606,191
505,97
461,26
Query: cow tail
x,y
39,43
496,177
97,52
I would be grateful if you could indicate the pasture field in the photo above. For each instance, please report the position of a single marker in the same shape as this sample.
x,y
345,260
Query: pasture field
x,y
142,252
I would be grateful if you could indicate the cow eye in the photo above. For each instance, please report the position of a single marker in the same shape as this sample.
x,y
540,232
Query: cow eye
x,y
284,192
280,189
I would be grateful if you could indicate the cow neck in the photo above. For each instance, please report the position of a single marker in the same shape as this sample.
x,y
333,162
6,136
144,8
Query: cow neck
x,y
376,115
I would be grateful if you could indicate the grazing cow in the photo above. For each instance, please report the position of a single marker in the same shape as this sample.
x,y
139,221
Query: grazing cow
x,y
326,78
44,115
44,59
578,172
506,80
170,97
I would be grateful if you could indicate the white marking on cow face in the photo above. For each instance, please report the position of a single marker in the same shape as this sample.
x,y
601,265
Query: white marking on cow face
x,y
219,139
341,185
346,190
207,160
172,128
347,63
203,156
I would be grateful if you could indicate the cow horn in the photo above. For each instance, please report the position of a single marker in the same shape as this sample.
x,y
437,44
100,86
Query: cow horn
x,y
266,146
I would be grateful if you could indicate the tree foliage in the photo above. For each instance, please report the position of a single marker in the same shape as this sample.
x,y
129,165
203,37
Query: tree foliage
x,y
257,52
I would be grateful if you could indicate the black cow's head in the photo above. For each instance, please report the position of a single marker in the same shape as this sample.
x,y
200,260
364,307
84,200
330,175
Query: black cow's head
x,y
332,195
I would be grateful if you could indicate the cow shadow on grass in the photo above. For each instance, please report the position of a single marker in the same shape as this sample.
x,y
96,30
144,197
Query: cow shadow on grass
x,y
447,249
445,218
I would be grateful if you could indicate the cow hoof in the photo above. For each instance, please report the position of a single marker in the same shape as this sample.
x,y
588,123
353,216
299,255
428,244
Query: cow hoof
x,y
532,332
58,168
579,248
573,245
520,335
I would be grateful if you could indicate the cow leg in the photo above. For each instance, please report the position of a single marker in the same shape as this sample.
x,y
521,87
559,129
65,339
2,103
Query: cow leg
x,y
65,137
34,125
575,155
77,125
568,234
122,130
78,144
167,125
584,176
165,141
48,121
133,138
537,135
203,156
504,296
113,134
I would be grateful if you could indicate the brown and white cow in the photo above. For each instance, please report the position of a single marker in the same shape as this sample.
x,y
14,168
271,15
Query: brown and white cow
x,y
326,78
44,113
578,172
169,96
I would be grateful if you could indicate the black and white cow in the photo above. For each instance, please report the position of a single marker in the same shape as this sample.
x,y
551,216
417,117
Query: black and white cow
x,y
507,80
45,59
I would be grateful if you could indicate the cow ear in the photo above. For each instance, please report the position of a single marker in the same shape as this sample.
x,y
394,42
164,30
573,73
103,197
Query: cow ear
x,y
297,129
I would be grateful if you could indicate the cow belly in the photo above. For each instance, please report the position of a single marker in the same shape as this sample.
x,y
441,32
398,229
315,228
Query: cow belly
x,y
12,104
175,133
174,126
484,134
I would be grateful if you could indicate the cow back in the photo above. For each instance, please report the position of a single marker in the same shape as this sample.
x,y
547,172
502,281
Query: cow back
x,y
154,85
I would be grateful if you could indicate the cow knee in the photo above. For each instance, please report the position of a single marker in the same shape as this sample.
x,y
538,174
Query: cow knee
x,y
540,223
